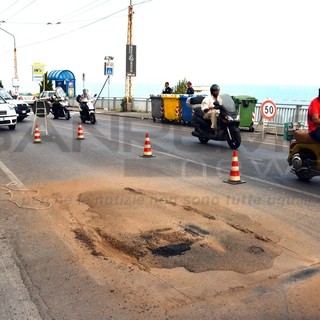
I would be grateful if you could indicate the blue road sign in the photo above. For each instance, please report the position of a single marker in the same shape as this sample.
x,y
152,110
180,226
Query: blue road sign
x,y
109,71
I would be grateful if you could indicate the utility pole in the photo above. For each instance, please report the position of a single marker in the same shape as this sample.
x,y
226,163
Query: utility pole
x,y
128,93
15,80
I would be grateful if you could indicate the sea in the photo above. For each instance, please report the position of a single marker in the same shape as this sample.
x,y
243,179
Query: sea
x,y
276,93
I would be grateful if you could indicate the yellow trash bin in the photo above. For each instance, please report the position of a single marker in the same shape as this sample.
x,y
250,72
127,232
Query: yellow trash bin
x,y
172,107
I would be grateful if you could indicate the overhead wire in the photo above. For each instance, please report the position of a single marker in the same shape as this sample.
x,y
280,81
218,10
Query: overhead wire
x,y
80,27
10,6
74,30
83,9
23,8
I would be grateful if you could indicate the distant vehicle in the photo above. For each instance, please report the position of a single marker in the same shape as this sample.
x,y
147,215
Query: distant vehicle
x,y
21,107
28,97
8,115
47,95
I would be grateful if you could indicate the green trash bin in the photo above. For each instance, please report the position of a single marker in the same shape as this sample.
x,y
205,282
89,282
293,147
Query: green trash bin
x,y
246,105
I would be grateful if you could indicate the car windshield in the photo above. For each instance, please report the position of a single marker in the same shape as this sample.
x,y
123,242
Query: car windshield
x,y
2,101
5,95
47,94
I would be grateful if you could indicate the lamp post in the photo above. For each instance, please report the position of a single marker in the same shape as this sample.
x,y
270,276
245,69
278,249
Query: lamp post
x,y
15,79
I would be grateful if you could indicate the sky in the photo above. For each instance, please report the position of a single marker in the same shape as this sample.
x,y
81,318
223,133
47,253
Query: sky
x,y
234,42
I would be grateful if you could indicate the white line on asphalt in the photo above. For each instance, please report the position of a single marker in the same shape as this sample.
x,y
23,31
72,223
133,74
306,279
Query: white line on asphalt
x,y
11,176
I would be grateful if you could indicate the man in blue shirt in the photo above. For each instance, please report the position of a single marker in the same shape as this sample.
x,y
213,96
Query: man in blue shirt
x,y
167,89
190,90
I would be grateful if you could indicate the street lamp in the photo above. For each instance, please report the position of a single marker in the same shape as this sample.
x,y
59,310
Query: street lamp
x,y
15,80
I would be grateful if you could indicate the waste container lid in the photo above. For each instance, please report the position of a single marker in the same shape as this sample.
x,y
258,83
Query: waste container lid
x,y
244,98
170,96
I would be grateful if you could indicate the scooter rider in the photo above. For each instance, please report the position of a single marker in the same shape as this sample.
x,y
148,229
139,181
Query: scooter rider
x,y
84,98
208,104
314,118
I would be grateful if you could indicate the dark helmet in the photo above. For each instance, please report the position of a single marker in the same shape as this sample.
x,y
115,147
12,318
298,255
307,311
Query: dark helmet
x,y
214,87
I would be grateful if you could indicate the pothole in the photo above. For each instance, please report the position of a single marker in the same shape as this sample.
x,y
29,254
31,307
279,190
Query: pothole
x,y
157,236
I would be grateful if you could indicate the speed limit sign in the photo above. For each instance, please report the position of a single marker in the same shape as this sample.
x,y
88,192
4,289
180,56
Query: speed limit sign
x,y
268,109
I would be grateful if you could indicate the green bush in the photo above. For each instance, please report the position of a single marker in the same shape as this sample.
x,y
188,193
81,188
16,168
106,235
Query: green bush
x,y
181,87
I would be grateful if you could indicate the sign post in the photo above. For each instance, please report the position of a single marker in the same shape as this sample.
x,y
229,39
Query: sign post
x,y
268,112
108,71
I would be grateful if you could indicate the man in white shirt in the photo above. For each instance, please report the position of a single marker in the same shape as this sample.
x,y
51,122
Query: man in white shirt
x,y
207,105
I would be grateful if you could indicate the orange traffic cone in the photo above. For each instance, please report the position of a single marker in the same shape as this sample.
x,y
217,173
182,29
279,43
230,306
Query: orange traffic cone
x,y
147,152
234,177
36,137
80,132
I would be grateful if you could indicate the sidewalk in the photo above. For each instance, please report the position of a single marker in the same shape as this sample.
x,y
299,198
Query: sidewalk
x,y
128,114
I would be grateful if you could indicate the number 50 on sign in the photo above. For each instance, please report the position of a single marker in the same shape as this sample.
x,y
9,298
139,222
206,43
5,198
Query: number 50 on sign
x,y
268,109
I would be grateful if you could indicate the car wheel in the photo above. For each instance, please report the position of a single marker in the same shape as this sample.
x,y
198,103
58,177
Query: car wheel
x,y
12,127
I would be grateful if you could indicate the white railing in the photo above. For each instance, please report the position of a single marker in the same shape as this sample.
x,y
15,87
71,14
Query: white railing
x,y
286,112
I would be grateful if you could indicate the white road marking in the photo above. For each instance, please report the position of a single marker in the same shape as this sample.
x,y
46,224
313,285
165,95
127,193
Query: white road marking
x,y
13,178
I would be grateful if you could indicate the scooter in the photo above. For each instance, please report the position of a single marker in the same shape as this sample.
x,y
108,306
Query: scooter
x,y
87,111
59,104
227,122
59,108
304,156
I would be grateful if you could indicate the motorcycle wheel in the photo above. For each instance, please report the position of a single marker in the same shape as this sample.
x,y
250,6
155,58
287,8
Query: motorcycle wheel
x,y
67,114
92,118
203,140
235,141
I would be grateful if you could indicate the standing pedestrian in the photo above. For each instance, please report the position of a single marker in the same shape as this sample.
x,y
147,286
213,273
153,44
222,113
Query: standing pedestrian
x,y
190,89
167,89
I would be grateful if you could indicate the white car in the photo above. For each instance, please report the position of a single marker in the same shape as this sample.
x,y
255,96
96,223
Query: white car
x,y
47,95
28,97
8,115
21,107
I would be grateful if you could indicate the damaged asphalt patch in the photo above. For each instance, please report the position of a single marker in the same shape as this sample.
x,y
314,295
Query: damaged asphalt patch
x,y
161,233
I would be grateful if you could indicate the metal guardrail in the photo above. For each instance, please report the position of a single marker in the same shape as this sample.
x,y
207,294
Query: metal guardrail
x,y
286,112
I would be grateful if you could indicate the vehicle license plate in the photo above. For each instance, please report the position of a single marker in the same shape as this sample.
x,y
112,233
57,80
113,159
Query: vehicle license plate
x,y
24,111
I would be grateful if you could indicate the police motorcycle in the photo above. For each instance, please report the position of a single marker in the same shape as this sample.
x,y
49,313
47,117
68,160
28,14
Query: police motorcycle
x,y
59,104
304,153
87,110
228,121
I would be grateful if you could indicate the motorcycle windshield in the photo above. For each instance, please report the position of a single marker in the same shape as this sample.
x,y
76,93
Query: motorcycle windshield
x,y
60,92
228,102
